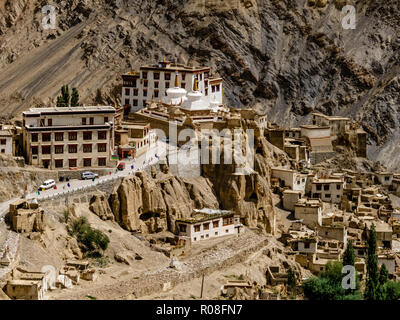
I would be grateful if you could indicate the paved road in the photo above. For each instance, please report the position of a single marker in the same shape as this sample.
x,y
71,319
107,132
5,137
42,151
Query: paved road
x,y
139,164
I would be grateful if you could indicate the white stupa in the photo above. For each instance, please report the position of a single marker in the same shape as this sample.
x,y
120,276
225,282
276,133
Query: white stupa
x,y
175,95
195,99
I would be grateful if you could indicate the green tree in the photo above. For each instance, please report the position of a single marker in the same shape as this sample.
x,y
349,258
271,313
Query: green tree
x,y
60,101
349,256
74,97
392,290
63,100
328,285
292,282
372,267
381,292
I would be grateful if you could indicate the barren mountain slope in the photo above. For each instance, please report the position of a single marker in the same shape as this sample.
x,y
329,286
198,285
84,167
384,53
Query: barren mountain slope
x,y
289,57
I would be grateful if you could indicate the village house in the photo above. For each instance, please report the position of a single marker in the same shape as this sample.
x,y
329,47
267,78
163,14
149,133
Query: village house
x,y
290,178
134,139
289,199
328,190
69,137
304,244
7,143
26,217
208,223
25,289
319,141
384,178
336,231
309,211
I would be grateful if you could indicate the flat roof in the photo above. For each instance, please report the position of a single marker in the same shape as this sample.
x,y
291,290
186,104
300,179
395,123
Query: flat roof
x,y
327,181
63,110
314,127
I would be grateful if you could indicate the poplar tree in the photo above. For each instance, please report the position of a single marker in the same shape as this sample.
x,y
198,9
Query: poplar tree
x,y
74,97
372,267
349,256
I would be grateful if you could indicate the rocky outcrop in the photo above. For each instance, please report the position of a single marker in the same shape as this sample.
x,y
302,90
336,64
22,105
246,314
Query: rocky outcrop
x,y
141,203
99,206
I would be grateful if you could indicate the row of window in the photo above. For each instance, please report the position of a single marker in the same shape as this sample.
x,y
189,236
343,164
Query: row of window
x,y
87,162
327,187
326,195
72,136
205,236
73,148
84,121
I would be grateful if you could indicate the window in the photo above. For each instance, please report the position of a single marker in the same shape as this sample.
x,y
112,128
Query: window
x,y
3,141
328,195
216,233
167,85
59,149
84,121
134,83
46,136
201,76
101,162
87,162
307,245
58,163
34,150
72,148
72,163
135,92
102,135
144,75
387,178
72,136
49,122
46,149
194,239
145,83
105,119
127,102
206,92
183,84
87,148
217,88
156,93
167,76
326,187
87,135
156,75
102,147
35,137
216,224
319,187
156,84
59,136
91,121
144,102
213,89
127,92
227,221
144,93
226,231
42,122
206,226
135,102
197,228
182,227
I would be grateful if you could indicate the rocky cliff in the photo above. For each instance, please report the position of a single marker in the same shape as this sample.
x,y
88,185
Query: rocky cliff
x,y
288,57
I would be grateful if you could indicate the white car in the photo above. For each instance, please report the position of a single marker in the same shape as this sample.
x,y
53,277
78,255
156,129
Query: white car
x,y
47,184
89,175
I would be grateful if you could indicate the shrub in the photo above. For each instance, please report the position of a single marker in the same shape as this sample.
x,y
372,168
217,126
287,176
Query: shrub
x,y
92,240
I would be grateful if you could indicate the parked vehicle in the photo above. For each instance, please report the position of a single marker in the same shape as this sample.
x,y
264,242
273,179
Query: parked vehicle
x,y
48,184
89,175
121,166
